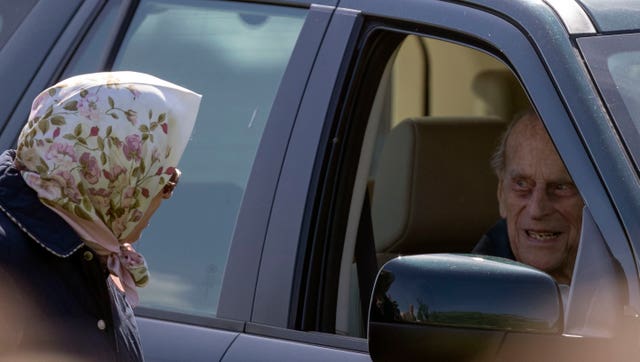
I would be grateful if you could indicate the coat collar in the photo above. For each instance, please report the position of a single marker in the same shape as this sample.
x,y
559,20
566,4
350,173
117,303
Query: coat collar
x,y
495,242
21,204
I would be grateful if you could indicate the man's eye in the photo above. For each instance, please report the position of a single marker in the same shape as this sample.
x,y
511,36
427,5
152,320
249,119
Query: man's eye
x,y
565,189
521,185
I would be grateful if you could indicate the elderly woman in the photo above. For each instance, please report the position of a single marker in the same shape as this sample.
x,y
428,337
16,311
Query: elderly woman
x,y
93,163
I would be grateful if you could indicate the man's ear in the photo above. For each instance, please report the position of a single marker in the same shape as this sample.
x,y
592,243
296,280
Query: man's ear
x,y
501,199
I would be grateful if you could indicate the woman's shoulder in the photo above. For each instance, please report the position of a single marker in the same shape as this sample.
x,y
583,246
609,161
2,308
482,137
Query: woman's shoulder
x,y
13,241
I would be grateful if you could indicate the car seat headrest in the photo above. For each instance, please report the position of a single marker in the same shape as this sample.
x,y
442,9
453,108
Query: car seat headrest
x,y
434,189
499,93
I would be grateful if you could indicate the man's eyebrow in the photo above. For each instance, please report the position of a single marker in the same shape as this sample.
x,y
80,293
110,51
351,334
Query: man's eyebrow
x,y
561,182
516,174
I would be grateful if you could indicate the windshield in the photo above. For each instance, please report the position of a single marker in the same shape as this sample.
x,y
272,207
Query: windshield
x,y
614,61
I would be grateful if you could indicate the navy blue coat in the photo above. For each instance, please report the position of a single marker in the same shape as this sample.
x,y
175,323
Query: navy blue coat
x,y
55,298
495,242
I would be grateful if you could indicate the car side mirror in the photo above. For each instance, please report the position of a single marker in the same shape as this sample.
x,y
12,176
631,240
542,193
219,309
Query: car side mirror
x,y
457,307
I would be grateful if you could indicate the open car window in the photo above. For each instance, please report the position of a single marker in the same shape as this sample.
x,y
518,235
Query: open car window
x,y
424,183
424,165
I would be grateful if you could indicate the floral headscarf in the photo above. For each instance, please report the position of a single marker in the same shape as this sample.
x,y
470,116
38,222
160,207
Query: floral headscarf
x,y
97,148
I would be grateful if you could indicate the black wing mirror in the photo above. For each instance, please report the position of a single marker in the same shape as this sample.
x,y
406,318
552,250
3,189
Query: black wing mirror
x,y
457,307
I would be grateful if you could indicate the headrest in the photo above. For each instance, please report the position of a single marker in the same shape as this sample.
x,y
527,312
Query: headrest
x,y
499,93
434,188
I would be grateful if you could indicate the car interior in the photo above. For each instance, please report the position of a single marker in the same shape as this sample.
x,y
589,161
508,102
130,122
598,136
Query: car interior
x,y
424,183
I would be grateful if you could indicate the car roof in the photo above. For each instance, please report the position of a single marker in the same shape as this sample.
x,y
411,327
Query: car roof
x,y
578,16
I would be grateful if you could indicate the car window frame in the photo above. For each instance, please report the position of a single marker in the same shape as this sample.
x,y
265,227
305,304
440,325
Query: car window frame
x,y
281,244
582,134
18,14
590,120
54,38
241,273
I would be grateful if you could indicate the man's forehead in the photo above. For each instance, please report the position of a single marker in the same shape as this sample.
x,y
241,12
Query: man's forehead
x,y
530,151
527,128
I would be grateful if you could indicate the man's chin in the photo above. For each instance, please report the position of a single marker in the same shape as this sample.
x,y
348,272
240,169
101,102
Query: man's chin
x,y
541,255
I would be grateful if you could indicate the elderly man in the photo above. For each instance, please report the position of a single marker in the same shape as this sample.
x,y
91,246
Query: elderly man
x,y
540,206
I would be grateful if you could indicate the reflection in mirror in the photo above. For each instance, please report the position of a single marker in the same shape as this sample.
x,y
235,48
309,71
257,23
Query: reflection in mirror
x,y
467,291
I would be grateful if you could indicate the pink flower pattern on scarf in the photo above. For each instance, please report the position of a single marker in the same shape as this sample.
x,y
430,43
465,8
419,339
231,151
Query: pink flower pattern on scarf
x,y
92,149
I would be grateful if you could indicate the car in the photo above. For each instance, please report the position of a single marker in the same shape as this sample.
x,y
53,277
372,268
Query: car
x,y
339,163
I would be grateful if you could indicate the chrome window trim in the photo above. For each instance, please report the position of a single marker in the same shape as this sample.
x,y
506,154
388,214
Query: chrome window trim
x,y
573,16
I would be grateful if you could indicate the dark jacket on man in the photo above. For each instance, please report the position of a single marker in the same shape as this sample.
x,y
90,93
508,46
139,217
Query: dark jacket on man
x,y
495,242
57,301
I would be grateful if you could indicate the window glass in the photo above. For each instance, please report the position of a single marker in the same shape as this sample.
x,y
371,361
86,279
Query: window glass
x,y
11,15
625,71
234,54
93,49
614,62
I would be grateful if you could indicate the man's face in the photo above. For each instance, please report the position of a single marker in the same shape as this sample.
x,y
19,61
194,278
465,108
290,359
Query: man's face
x,y
540,202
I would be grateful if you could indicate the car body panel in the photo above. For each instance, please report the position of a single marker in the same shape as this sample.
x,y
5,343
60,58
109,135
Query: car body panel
x,y
173,341
274,288
237,296
255,348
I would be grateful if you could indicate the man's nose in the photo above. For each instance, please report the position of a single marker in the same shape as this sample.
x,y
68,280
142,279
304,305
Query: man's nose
x,y
539,203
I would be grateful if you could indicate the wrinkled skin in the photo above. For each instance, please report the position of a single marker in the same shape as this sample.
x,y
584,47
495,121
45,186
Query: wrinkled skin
x,y
541,204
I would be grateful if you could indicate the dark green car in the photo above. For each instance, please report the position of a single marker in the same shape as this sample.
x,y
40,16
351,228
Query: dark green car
x,y
305,173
